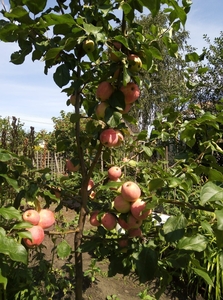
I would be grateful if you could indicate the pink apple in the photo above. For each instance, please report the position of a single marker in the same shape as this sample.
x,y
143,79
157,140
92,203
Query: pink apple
x,y
121,205
32,216
104,91
126,109
47,218
70,167
131,92
120,138
122,221
128,221
109,221
109,137
93,218
37,234
130,191
89,187
139,210
100,110
133,222
114,172
135,232
135,63
123,243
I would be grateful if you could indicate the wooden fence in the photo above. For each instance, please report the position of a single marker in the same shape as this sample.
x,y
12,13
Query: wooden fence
x,y
52,160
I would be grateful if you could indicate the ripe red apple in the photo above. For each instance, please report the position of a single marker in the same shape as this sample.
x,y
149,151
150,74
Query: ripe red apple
x,y
109,221
89,187
135,232
120,138
128,221
130,191
88,46
37,234
133,222
104,90
47,218
131,92
121,205
135,63
109,137
139,210
126,109
122,221
32,216
114,172
123,243
93,218
100,110
70,167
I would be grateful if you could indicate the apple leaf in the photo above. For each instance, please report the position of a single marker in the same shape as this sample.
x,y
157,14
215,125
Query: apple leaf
x,y
14,250
62,75
194,243
174,228
10,213
210,192
146,264
63,249
35,6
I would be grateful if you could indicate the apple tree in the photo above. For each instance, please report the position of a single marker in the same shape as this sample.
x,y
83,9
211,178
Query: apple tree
x,y
98,54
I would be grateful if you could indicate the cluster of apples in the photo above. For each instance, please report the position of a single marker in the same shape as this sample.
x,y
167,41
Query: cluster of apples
x,y
40,220
128,209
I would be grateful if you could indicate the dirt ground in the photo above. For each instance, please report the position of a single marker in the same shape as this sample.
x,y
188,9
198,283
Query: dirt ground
x,y
125,288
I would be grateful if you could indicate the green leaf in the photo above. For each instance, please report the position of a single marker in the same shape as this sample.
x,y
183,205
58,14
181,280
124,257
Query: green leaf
x,y
174,228
215,175
11,182
15,251
10,213
62,75
155,53
112,117
210,192
219,215
53,19
123,40
63,249
204,275
35,6
74,118
117,100
146,264
91,29
195,243
153,6
52,53
17,12
5,155
155,184
147,151
180,13
126,7
192,57
17,58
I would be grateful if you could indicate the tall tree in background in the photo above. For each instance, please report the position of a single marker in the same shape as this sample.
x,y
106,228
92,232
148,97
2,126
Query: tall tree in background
x,y
165,80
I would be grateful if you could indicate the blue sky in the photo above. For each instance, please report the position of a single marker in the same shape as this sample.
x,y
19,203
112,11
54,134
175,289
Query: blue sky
x,y
28,94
